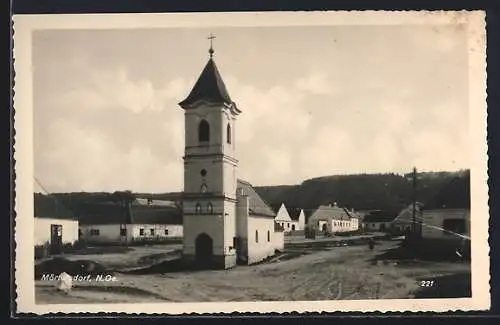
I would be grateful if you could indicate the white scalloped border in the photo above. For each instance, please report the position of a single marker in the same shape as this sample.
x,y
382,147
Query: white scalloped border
x,y
24,25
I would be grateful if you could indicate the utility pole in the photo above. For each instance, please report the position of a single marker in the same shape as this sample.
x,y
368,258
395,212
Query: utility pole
x,y
414,198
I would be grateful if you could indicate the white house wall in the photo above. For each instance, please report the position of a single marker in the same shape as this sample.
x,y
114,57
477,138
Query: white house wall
x,y
109,234
288,225
262,248
43,230
433,222
301,224
174,231
282,215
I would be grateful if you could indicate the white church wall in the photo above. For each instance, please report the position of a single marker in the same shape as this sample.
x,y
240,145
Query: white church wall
x,y
211,179
260,245
212,225
230,222
229,180
43,230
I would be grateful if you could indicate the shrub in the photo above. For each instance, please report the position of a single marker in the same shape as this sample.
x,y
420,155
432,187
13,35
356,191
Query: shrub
x,y
42,251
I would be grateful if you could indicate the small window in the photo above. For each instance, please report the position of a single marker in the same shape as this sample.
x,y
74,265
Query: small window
x,y
198,208
95,232
204,131
166,232
288,225
256,236
123,232
203,172
152,232
203,188
141,232
210,208
228,133
268,236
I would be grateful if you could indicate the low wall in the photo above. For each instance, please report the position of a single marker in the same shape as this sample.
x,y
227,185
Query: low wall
x,y
279,240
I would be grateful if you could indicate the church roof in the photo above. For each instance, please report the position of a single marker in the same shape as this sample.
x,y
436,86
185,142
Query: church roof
x,y
257,205
208,87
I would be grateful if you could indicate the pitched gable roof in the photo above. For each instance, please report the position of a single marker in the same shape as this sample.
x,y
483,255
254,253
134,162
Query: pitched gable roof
x,y
112,213
325,212
257,205
380,216
209,87
47,206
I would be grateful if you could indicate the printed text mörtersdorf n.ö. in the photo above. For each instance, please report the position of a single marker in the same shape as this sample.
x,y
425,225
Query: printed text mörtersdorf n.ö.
x,y
81,278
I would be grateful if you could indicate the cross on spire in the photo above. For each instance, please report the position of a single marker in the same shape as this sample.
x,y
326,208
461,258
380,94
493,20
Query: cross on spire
x,y
211,50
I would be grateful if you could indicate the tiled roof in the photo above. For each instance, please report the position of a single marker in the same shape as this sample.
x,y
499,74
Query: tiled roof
x,y
380,216
112,213
47,206
325,212
209,87
257,205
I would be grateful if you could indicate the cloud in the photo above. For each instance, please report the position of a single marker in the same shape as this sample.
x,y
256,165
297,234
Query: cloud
x,y
117,125
315,83
83,159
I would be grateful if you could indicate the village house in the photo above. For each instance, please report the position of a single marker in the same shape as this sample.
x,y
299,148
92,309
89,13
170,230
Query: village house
x,y
291,219
139,221
447,216
224,220
55,225
379,221
333,219
404,223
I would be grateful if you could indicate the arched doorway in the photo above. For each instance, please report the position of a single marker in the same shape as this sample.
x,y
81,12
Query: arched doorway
x,y
203,250
324,227
293,227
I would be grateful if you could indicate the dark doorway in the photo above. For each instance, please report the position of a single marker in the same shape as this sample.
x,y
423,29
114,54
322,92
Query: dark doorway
x,y
454,226
324,228
56,242
382,227
293,227
204,251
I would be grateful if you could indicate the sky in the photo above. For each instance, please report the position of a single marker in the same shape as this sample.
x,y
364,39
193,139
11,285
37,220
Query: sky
x,y
316,101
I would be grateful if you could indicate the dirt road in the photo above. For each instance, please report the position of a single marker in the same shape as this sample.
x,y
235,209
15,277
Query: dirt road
x,y
336,273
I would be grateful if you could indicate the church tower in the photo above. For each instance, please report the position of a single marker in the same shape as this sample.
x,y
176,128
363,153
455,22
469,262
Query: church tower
x,y
209,198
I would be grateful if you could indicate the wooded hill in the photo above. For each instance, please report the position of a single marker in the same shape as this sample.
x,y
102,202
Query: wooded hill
x,y
361,192
389,191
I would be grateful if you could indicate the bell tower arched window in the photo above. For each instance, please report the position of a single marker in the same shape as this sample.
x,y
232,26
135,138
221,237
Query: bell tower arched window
x,y
228,133
203,188
210,208
204,131
198,208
